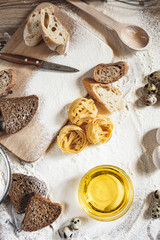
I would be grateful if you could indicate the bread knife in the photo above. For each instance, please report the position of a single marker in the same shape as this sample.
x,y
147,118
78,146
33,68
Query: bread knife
x,y
15,58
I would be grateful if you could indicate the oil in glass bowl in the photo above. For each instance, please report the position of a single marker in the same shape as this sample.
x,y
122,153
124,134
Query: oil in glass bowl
x,y
106,193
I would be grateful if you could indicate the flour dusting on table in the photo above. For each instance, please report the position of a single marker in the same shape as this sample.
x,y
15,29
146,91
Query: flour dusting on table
x,y
130,147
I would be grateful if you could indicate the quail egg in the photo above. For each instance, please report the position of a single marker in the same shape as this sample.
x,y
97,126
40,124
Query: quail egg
x,y
156,211
67,233
150,88
157,196
149,100
154,77
156,157
158,89
75,223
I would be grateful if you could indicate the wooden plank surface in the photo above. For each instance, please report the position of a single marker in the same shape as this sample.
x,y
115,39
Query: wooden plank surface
x,y
14,12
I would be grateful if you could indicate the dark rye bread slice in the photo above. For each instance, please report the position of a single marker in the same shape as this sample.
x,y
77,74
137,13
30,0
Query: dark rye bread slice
x,y
108,73
7,81
22,187
40,213
18,112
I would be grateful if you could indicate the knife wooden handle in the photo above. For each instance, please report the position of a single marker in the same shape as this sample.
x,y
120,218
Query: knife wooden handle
x,y
21,59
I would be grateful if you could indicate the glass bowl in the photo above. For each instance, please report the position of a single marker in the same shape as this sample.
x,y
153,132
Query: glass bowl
x,y
5,174
106,193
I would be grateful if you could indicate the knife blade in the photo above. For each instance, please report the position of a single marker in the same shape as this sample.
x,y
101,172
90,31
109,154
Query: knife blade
x,y
15,58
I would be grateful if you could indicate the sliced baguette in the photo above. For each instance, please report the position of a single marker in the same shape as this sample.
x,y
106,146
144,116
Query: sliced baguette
x,y
32,32
54,33
108,73
18,112
40,213
109,96
7,81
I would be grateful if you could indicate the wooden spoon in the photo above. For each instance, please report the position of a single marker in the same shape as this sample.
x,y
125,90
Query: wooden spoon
x,y
132,36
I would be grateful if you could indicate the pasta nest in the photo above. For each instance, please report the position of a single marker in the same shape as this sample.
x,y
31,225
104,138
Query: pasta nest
x,y
99,130
82,110
72,139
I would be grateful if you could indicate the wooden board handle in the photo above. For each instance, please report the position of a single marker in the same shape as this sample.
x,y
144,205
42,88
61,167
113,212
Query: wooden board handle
x,y
21,59
105,20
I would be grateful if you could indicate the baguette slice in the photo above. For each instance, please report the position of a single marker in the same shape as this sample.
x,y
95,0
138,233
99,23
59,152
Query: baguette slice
x,y
7,81
108,73
54,33
32,32
18,112
40,213
21,188
109,96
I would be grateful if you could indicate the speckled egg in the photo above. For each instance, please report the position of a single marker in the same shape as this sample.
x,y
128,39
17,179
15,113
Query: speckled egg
x,y
156,211
149,100
150,88
158,89
156,157
67,233
157,196
75,223
154,77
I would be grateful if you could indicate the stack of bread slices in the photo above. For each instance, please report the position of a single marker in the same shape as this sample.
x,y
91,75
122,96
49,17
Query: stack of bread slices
x,y
100,88
43,24
28,195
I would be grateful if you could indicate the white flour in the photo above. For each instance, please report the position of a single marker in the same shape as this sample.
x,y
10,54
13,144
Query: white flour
x,y
130,147
2,176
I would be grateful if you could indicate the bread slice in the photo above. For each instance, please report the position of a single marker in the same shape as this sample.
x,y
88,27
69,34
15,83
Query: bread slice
x,y
32,32
7,81
18,112
109,96
108,73
40,213
21,188
54,33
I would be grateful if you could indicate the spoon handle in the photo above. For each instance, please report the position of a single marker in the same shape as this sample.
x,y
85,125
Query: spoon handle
x,y
105,20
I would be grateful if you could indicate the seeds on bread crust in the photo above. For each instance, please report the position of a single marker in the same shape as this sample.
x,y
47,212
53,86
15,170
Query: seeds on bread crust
x,y
108,73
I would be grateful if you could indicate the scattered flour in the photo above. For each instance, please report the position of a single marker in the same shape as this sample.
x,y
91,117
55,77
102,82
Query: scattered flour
x,y
130,148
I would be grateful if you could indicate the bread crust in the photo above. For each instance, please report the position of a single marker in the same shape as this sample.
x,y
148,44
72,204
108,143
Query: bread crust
x,y
12,83
89,85
29,208
60,48
20,202
121,64
4,115
30,39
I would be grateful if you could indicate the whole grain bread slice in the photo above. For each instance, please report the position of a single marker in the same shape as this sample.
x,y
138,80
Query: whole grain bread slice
x,y
40,213
18,112
108,73
108,96
21,188
54,33
7,81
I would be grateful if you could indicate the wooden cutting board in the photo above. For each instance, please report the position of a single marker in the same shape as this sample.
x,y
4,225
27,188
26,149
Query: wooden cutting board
x,y
31,142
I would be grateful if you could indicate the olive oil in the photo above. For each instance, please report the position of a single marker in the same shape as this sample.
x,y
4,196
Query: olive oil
x,y
106,193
